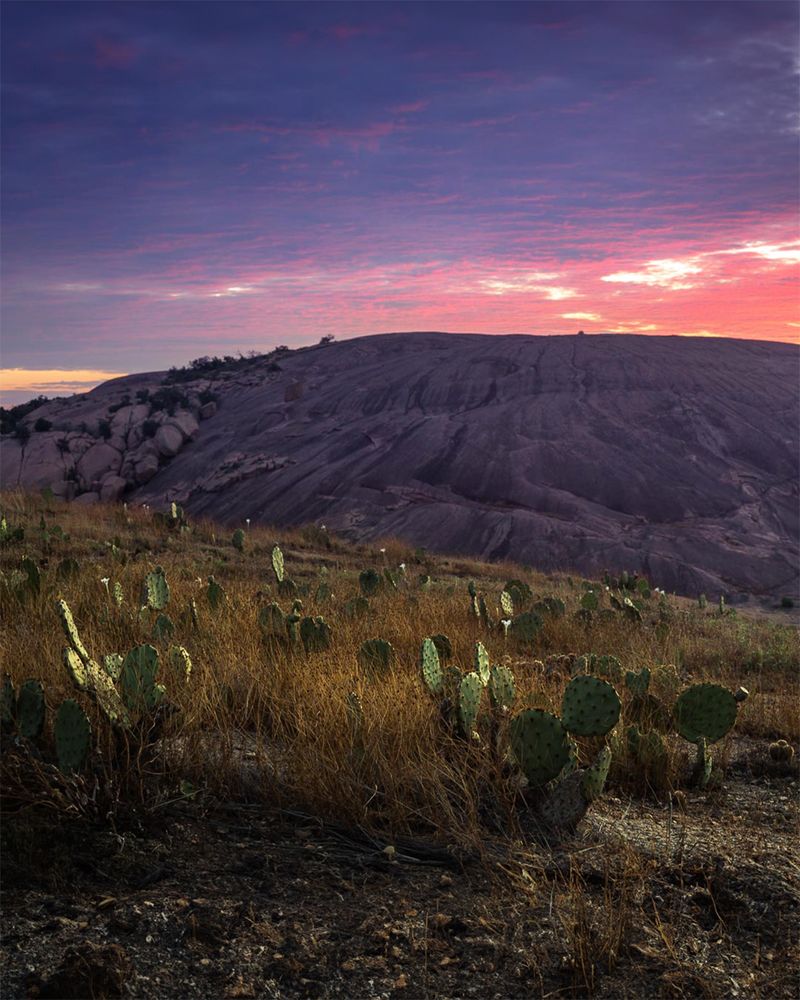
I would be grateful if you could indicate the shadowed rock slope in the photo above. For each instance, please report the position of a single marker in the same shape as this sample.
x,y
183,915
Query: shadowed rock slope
x,y
675,457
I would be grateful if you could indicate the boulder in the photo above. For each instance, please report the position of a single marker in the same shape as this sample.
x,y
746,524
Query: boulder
x,y
87,499
145,469
185,422
129,416
100,460
169,439
112,488
42,461
208,410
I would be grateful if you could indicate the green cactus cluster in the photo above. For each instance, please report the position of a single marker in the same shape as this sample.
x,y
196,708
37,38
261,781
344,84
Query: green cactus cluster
x,y
525,628
370,582
376,655
238,539
704,714
315,634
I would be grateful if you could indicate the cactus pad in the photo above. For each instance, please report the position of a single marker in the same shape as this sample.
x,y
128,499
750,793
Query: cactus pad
x,y
215,593
443,646
112,664
481,663
180,662
590,706
277,563
315,634
469,701
140,693
705,710
376,654
540,745
163,628
525,627
356,607
502,688
593,779
71,630
155,593
369,581
272,620
507,604
30,710
589,601
638,683
237,541
430,666
73,735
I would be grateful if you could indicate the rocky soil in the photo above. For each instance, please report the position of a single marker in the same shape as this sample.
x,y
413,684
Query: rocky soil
x,y
677,458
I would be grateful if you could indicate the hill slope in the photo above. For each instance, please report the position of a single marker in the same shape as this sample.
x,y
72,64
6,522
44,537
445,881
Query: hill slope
x,y
674,457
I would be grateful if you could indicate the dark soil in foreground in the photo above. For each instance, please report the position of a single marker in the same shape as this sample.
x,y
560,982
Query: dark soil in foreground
x,y
695,899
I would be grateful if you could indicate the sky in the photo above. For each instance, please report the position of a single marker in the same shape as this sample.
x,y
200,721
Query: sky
x,y
183,179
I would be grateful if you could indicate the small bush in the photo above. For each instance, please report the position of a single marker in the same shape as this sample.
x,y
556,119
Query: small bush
x,y
787,602
149,428
105,430
42,425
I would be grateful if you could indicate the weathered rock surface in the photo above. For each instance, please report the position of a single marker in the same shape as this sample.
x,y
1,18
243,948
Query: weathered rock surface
x,y
676,457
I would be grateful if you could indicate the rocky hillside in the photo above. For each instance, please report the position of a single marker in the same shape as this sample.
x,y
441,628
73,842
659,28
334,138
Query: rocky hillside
x,y
674,457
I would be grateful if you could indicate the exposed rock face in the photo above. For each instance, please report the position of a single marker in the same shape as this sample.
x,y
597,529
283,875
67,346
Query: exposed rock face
x,y
674,457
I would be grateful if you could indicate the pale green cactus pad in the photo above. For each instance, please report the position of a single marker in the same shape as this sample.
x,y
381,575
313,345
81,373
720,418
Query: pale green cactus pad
x,y
481,663
469,701
277,564
430,666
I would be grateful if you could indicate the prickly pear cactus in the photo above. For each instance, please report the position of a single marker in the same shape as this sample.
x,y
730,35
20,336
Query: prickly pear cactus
x,y
567,802
8,705
705,711
552,606
30,710
71,631
272,620
215,593
288,588
376,655
237,541
73,734
481,663
430,666
163,628
112,664
117,594
781,752
140,693
356,607
540,745
355,714
369,581
638,683
469,701
703,766
519,592
277,564
593,779
155,593
315,634
507,604
606,666
180,662
76,669
483,613
443,646
590,601
323,593
525,627
590,706
502,689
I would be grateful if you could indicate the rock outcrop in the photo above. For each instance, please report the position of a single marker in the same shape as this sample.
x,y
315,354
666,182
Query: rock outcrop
x,y
675,457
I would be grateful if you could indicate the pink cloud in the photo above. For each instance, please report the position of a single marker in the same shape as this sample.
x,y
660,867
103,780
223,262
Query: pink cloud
x,y
112,54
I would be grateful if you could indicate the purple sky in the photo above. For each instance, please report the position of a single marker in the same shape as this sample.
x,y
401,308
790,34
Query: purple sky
x,y
182,179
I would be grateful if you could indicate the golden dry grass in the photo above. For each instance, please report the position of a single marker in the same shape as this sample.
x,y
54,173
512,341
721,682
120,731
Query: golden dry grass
x,y
257,720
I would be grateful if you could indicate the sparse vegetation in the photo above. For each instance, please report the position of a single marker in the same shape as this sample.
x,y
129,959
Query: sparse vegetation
x,y
477,714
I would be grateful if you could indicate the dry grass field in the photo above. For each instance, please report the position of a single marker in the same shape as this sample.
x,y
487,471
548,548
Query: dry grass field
x,y
304,824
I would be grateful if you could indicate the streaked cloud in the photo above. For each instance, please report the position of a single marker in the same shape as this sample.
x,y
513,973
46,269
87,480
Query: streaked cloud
x,y
17,384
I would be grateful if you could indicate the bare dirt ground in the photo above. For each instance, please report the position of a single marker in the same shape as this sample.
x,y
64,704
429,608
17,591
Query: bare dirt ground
x,y
697,897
